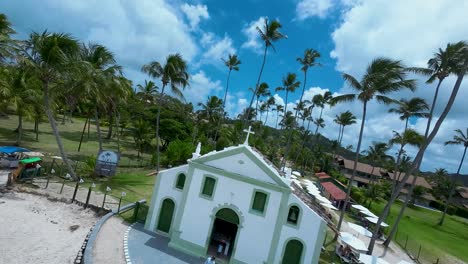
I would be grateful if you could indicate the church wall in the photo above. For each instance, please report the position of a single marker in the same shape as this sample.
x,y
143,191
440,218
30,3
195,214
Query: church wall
x,y
310,231
254,238
165,188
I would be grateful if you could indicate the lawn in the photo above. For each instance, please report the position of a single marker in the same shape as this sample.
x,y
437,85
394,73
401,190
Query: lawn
x,y
420,225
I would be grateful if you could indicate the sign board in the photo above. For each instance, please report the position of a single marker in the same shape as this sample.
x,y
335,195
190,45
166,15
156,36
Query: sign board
x,y
106,164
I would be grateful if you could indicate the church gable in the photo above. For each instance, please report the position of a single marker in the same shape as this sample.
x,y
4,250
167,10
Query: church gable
x,y
244,161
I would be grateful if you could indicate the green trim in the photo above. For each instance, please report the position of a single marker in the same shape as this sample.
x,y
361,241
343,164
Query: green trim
x,y
201,194
177,180
319,241
187,247
150,217
252,199
235,261
235,176
171,226
304,249
278,227
245,150
178,218
296,226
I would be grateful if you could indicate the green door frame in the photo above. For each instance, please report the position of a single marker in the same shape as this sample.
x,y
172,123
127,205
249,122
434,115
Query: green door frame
x,y
163,204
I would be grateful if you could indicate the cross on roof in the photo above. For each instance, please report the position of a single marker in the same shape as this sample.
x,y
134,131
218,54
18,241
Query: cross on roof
x,y
249,131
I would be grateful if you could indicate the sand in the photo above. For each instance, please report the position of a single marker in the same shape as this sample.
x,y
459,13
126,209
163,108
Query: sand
x,y
37,230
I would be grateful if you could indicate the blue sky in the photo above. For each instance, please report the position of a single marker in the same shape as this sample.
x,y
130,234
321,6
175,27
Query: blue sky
x,y
348,34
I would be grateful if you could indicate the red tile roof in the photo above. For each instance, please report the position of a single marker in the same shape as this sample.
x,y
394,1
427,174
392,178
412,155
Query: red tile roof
x,y
335,192
322,175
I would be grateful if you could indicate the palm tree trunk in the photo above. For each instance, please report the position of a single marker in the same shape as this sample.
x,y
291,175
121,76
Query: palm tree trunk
x,y
277,117
158,115
286,103
431,112
356,159
342,133
288,143
304,139
420,154
117,119
82,134
98,127
111,120
256,109
256,86
55,131
36,129
339,134
221,119
89,124
20,129
452,190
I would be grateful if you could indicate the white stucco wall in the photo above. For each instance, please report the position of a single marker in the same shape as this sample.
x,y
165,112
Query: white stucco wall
x,y
308,231
196,220
243,165
165,188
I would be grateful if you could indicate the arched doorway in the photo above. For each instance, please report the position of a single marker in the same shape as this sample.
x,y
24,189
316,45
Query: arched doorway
x,y
292,252
223,234
165,215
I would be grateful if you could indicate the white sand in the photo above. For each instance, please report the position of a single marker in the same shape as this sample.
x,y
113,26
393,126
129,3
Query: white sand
x,y
36,230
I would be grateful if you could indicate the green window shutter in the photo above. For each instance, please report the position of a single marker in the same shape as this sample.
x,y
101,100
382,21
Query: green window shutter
x,y
208,186
180,181
259,201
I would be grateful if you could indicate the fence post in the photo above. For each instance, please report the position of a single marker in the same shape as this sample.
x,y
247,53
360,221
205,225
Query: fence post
x,y
406,242
108,189
87,197
437,262
63,184
76,190
135,212
76,165
419,252
47,183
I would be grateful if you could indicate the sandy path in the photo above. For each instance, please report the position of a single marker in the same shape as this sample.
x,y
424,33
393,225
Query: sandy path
x,y
37,230
108,247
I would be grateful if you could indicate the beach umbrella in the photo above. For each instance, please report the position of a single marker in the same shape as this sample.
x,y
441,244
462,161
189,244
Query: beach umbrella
x,y
327,205
352,241
296,173
360,229
322,199
359,207
369,213
374,221
368,259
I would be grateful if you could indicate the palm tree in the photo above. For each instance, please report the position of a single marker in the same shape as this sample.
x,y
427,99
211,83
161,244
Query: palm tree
x,y
308,61
319,123
271,101
210,110
459,139
459,67
376,155
173,73
6,43
279,109
382,77
263,90
290,84
414,107
269,33
51,55
344,119
147,91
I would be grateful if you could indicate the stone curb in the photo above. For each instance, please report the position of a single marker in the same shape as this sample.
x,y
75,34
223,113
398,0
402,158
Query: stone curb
x,y
125,242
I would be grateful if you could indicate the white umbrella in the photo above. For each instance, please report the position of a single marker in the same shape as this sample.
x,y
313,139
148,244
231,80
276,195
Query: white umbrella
x,y
374,221
359,207
328,206
296,173
369,213
322,199
368,259
360,229
352,241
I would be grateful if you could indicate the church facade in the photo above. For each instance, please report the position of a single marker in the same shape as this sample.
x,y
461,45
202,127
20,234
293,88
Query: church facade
x,y
235,205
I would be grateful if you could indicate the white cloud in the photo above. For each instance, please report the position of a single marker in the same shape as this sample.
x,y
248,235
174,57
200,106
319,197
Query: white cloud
x,y
201,86
250,31
373,28
216,48
195,13
313,8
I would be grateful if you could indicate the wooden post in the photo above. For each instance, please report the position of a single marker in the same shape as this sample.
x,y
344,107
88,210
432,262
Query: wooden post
x,y
47,183
406,242
104,200
76,165
63,184
135,212
120,202
437,262
76,190
419,252
87,197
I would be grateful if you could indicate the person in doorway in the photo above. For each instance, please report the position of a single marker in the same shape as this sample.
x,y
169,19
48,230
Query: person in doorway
x,y
210,260
220,248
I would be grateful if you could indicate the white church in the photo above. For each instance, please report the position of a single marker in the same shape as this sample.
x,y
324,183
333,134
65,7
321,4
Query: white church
x,y
233,204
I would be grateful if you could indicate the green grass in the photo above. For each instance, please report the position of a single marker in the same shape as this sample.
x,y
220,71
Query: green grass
x,y
420,225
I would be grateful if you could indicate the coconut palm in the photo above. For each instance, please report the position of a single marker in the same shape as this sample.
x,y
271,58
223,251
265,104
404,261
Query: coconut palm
x,y
279,109
382,77
290,84
6,43
269,33
308,61
459,66
415,107
147,91
263,90
173,73
344,119
271,101
210,111
376,155
460,138
50,56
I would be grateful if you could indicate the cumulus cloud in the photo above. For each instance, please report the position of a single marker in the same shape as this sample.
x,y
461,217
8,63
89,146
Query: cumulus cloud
x,y
201,86
195,13
313,8
250,31
215,48
372,28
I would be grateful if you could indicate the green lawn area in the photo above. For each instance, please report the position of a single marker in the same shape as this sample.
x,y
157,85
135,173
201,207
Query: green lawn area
x,y
422,229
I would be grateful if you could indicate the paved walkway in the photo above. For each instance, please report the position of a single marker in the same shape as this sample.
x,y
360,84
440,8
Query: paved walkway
x,y
108,247
145,247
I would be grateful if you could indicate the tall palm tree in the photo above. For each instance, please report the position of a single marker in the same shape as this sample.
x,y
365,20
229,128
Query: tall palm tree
x,y
210,110
460,138
263,90
376,155
290,84
50,56
6,43
271,101
270,33
147,91
308,61
344,119
415,107
382,77
459,67
173,73
279,109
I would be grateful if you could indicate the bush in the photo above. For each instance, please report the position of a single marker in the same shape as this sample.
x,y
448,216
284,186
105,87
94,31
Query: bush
x,y
462,212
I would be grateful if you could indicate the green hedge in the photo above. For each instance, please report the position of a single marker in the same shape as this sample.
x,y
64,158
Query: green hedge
x,y
452,210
